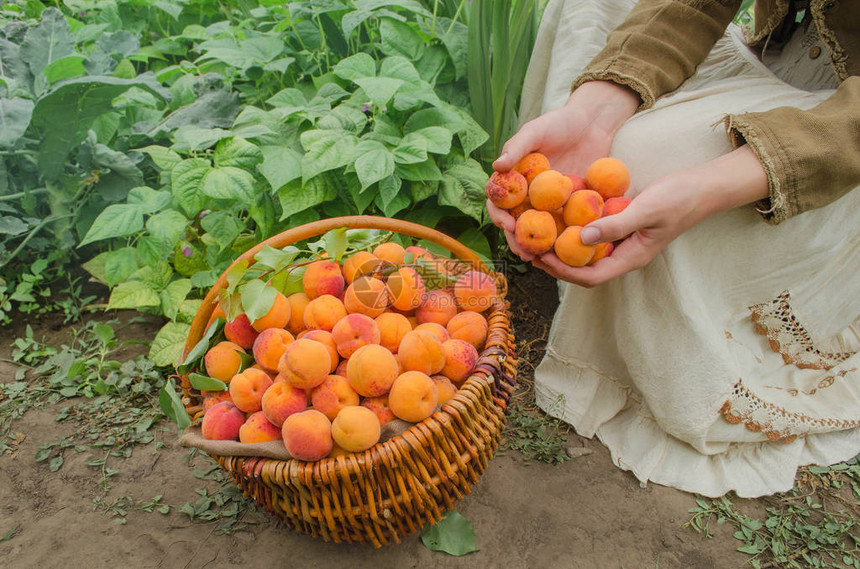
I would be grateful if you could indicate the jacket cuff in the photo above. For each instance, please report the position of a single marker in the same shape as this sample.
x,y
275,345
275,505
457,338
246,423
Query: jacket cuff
x,y
646,94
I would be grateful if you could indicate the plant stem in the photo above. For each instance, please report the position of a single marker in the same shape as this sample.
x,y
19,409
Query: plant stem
x,y
33,232
10,197
456,15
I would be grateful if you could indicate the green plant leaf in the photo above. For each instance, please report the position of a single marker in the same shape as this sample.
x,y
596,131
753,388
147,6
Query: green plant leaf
x,y
344,117
237,152
452,534
229,183
192,138
373,162
398,38
379,89
49,41
168,227
173,296
150,201
280,166
276,259
223,226
295,197
117,220
200,348
355,67
172,406
65,68
326,150
411,150
186,181
437,139
257,299
119,265
133,294
163,157
14,119
336,243
463,187
206,383
401,68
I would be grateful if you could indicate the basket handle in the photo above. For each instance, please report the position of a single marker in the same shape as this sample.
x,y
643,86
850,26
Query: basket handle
x,y
313,229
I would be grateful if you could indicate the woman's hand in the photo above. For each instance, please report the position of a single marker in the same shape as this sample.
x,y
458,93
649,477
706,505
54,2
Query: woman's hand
x,y
571,137
661,212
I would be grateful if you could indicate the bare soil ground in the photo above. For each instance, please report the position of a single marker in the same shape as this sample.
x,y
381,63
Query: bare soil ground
x,y
583,513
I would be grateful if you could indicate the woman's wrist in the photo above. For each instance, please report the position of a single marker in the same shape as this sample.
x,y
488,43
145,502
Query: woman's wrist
x,y
609,104
731,180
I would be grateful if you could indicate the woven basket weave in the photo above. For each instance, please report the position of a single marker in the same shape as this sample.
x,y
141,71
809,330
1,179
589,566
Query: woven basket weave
x,y
396,487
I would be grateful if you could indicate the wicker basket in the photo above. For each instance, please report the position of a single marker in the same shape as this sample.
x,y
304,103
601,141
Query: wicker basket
x,y
398,486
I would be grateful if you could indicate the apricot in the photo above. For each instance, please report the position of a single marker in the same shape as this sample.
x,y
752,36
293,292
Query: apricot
x,y
371,370
578,182
615,205
354,331
437,330
336,451
460,360
323,312
298,302
558,217
326,339
366,295
247,389
405,288
282,400
507,189
277,317
446,388
258,429
307,435
421,351
570,248
380,408
341,368
240,332
390,252
535,231
608,176
475,291
392,328
332,395
217,312
222,422
438,306
601,250
413,396
518,210
223,361
418,253
305,363
359,264
321,278
583,207
550,190
531,165
270,346
471,327
214,397
355,429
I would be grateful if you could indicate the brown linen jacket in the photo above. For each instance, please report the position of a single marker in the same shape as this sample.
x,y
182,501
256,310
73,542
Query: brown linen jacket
x,y
812,157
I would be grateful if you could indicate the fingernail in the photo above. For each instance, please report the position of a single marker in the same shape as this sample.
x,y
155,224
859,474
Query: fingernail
x,y
590,235
502,157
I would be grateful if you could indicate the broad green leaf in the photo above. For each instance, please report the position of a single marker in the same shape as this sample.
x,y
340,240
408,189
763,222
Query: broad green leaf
x,y
255,51
379,89
475,240
133,294
119,265
192,138
206,383
167,345
163,157
295,197
96,267
398,38
399,68
156,275
452,534
173,296
229,183
117,220
437,139
200,348
10,225
275,259
167,226
336,243
344,117
411,150
426,171
280,166
149,200
49,41
223,226
456,40
463,187
65,68
174,9
235,274
62,117
326,150
373,162
171,405
213,109
186,184
257,299
355,67
14,119
237,152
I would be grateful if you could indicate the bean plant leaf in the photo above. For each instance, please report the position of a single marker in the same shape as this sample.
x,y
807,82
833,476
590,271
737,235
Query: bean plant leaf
x,y
398,38
295,196
379,89
14,119
336,242
186,180
275,259
452,534
119,265
49,41
133,294
229,183
326,150
173,296
117,220
373,162
463,187
163,157
223,226
149,200
280,166
355,67
237,152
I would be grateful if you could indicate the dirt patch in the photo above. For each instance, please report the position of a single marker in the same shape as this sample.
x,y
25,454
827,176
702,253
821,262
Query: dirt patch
x,y
583,513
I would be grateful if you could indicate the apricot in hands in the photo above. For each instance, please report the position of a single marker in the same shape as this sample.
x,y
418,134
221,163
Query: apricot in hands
x,y
507,189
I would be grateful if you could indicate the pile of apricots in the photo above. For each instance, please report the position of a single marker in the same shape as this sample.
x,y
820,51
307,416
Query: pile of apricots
x,y
551,208
365,343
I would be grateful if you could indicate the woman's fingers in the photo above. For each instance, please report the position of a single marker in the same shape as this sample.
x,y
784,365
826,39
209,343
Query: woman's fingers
x,y
614,227
500,217
527,139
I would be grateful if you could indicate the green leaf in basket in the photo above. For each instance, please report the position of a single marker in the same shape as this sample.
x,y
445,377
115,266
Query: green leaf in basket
x,y
257,299
201,347
452,534
235,274
336,243
206,383
171,406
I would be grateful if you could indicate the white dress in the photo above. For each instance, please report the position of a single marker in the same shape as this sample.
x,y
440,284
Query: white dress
x,y
731,359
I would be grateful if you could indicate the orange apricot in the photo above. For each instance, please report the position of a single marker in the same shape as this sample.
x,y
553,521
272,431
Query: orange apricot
x,y
277,317
437,306
507,189
475,291
323,277
332,395
323,312
601,250
413,396
380,408
392,328
437,330
307,435
305,363
355,429
583,207
366,295
446,388
608,176
531,165
239,331
460,360
354,331
391,252
570,248
359,264
471,327
371,370
535,231
298,302
222,422
325,338
615,205
269,346
405,288
421,351
282,400
578,183
223,360
258,429
518,210
247,389
549,190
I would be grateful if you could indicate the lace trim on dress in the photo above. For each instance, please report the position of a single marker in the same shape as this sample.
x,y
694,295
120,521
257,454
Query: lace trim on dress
x,y
787,336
